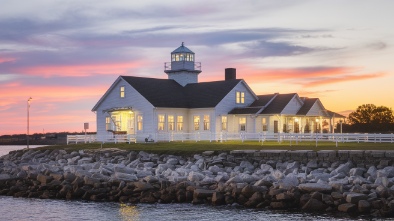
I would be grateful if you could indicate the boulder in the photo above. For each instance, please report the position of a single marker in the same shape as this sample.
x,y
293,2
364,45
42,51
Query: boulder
x,y
4,176
314,205
124,177
43,179
347,208
364,206
202,193
173,161
195,176
288,182
313,187
355,197
218,198
90,181
356,171
142,186
344,168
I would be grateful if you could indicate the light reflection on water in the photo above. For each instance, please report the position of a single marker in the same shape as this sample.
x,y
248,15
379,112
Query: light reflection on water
x,y
15,209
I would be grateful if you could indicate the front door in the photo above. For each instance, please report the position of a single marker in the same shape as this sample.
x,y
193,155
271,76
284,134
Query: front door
x,y
276,128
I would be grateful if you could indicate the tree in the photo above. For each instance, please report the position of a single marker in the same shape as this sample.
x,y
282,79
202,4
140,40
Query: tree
x,y
371,114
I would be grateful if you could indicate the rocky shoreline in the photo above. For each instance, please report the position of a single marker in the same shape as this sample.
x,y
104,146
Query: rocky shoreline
x,y
207,178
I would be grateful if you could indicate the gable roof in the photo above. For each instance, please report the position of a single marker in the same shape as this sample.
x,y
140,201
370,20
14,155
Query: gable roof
x,y
208,94
263,100
308,104
266,104
159,92
278,104
168,93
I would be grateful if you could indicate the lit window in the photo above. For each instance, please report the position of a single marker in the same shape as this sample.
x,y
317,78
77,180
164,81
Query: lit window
x,y
171,123
240,97
242,123
108,123
139,122
181,57
161,122
196,121
122,91
264,123
177,57
191,57
206,122
179,123
172,57
224,122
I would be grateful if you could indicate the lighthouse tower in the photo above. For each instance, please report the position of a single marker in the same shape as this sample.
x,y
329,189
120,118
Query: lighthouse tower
x,y
182,68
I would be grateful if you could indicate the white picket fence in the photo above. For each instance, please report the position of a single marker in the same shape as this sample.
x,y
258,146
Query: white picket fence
x,y
222,137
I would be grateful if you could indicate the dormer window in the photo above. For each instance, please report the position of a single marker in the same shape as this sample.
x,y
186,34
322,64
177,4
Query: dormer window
x,y
240,97
122,94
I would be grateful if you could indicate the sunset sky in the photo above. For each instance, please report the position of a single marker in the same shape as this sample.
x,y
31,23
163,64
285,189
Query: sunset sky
x,y
66,54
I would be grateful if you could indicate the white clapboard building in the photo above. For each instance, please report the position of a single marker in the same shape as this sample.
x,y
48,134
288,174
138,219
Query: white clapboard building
x,y
180,105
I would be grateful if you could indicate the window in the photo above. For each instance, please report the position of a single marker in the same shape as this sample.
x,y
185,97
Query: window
x,y
122,91
242,123
179,123
206,122
196,120
108,123
224,122
264,124
171,123
160,122
139,122
240,97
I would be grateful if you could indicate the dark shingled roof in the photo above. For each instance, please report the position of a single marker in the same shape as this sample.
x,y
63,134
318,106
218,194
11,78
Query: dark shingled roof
x,y
308,103
245,110
278,104
182,49
263,100
168,93
208,94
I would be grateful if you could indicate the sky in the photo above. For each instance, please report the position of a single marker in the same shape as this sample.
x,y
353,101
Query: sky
x,y
66,54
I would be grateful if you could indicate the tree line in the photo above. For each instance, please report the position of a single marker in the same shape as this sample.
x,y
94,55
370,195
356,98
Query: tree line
x,y
369,118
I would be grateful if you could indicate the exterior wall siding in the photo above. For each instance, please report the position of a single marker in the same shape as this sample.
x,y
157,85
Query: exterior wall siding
x,y
293,106
228,103
316,110
174,112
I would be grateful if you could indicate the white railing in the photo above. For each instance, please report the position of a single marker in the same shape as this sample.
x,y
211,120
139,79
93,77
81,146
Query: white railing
x,y
222,137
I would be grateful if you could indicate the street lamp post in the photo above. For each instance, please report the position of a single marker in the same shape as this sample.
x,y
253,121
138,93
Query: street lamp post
x,y
28,108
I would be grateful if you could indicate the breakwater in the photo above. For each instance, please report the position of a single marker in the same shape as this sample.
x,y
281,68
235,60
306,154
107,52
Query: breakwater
x,y
356,182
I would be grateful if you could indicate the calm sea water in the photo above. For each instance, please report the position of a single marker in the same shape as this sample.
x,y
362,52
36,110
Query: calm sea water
x,y
21,209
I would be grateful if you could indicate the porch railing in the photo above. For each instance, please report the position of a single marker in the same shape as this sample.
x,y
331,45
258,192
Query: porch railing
x,y
243,136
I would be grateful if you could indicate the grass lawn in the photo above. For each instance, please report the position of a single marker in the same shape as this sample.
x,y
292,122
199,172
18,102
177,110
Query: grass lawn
x,y
190,147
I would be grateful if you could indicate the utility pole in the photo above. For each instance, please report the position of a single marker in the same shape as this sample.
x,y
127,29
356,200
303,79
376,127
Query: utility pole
x,y
28,109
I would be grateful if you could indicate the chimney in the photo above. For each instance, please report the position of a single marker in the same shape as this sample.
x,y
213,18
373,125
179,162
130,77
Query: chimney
x,y
230,74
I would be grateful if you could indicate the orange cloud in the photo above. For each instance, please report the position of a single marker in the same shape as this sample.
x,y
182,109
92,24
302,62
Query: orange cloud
x,y
343,79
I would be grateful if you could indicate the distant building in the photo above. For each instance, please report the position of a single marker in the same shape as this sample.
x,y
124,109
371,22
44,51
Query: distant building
x,y
180,104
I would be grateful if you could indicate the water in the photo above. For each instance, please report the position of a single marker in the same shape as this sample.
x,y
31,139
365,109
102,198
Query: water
x,y
21,209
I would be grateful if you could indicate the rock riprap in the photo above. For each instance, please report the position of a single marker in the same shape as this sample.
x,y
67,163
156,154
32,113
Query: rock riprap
x,y
208,178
